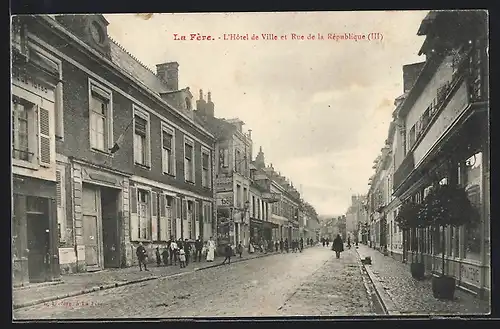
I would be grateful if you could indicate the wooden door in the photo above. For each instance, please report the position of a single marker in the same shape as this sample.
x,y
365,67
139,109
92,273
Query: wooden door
x,y
91,216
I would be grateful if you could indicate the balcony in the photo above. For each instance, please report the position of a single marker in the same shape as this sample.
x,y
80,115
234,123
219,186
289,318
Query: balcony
x,y
404,170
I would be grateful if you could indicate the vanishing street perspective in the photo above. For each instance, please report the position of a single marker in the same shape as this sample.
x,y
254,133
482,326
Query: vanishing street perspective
x,y
250,165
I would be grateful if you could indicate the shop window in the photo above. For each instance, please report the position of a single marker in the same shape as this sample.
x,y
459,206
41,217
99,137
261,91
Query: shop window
x,y
141,138
473,185
101,118
168,150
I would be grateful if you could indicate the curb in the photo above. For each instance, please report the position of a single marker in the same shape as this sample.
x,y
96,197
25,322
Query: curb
x,y
385,300
123,283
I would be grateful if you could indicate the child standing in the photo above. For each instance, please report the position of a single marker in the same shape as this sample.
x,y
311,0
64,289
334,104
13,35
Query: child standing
x,y
182,258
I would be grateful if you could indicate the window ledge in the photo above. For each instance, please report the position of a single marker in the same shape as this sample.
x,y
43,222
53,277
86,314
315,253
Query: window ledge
x,y
25,164
142,165
189,182
169,174
101,152
142,240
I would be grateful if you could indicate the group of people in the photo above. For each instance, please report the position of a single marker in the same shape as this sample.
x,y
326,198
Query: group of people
x,y
279,245
178,251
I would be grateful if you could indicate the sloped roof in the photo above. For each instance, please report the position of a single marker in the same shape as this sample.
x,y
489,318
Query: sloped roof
x,y
132,65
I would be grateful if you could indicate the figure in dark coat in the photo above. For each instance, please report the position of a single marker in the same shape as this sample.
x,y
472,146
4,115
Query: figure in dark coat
x,y
338,245
286,245
142,254
228,251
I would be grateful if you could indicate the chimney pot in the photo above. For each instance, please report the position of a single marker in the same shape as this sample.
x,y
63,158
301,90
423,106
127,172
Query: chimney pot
x,y
209,96
201,94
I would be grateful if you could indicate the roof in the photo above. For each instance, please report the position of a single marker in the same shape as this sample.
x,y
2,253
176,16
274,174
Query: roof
x,y
132,65
427,22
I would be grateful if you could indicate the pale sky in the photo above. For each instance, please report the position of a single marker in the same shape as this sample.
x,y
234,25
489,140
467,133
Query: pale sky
x,y
320,109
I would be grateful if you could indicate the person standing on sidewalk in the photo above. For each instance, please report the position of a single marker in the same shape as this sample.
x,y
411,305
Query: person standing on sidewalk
x,y
158,256
281,245
164,255
142,255
239,249
301,244
173,251
210,250
187,250
228,251
182,258
276,246
338,246
286,245
198,246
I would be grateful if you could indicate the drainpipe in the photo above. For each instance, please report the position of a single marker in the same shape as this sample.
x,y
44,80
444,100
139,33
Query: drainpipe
x,y
72,185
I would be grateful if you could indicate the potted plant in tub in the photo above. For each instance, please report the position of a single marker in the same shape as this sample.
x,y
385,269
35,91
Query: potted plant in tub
x,y
446,206
409,218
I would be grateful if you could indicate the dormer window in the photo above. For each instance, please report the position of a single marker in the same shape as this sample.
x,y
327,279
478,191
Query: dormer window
x,y
97,32
188,104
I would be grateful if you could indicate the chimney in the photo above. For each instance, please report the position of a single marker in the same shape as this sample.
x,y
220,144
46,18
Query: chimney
x,y
201,104
250,133
210,105
410,74
169,72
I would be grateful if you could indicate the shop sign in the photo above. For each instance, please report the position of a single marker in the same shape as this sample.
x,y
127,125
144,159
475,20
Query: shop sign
x,y
225,199
32,84
223,184
271,197
98,177
446,119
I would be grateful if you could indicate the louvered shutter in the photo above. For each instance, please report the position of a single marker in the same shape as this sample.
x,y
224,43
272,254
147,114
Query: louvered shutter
x,y
154,216
61,207
198,213
134,218
184,222
163,219
44,154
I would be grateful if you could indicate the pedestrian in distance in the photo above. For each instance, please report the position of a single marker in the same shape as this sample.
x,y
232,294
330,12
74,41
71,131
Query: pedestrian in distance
x,y
323,241
158,256
142,256
164,255
349,242
276,245
281,245
286,245
239,249
187,250
198,246
338,245
228,251
301,244
327,242
173,251
182,258
210,250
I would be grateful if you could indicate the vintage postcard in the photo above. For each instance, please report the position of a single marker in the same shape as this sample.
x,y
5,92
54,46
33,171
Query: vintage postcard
x,y
208,165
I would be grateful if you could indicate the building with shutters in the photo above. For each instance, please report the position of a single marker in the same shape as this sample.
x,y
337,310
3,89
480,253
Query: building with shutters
x,y
232,181
128,161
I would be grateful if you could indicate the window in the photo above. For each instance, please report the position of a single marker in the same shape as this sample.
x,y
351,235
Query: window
x,y
141,138
188,160
253,206
205,166
190,207
101,118
168,150
144,226
473,186
237,160
32,131
411,138
238,196
224,158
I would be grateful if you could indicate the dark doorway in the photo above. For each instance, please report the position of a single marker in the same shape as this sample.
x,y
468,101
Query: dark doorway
x,y
110,227
38,234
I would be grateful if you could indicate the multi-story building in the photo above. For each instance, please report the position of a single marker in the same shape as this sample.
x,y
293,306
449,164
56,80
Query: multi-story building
x,y
356,217
445,116
232,173
281,198
440,136
132,164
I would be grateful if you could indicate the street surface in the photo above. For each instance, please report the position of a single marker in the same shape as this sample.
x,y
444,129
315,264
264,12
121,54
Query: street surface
x,y
309,283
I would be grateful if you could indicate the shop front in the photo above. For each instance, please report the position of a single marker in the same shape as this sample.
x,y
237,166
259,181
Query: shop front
x,y
34,231
256,230
101,216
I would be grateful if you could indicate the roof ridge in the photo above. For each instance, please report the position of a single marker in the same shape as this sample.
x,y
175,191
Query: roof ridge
x,y
132,56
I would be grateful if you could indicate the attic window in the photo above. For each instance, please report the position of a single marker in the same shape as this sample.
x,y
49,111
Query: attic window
x,y
188,103
97,32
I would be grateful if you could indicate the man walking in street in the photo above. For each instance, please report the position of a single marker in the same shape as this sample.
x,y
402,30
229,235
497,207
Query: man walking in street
x,y
286,245
198,245
338,245
301,244
281,245
141,256
239,249
173,251
228,251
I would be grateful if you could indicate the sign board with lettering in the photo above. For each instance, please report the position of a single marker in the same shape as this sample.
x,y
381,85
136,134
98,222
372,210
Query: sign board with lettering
x,y
271,197
470,274
223,184
225,199
97,177
446,119
33,85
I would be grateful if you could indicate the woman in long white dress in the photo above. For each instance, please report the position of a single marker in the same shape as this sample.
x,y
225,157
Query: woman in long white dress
x,y
211,250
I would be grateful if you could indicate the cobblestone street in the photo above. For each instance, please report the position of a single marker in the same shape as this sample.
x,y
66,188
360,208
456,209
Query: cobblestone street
x,y
415,297
309,283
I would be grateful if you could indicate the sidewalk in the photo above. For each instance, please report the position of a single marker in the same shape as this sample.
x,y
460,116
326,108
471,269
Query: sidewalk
x,y
82,283
404,295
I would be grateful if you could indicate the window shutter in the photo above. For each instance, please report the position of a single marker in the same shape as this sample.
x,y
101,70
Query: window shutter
x,y
134,218
44,137
163,219
184,222
154,216
164,163
61,214
196,214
